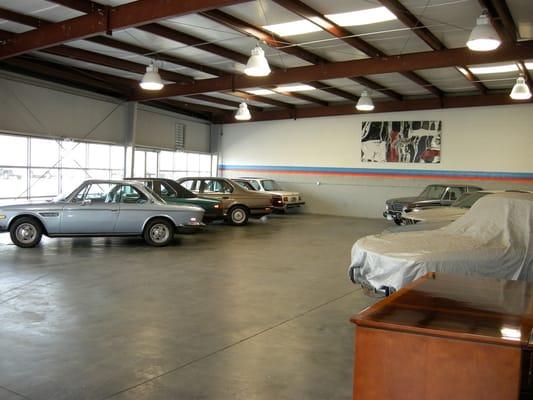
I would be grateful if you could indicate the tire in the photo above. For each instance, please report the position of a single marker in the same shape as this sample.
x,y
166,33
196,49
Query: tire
x,y
158,232
398,221
238,216
26,232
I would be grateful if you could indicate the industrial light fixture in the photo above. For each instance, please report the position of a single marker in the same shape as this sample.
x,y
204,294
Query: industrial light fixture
x,y
483,36
243,114
520,90
257,63
151,79
365,102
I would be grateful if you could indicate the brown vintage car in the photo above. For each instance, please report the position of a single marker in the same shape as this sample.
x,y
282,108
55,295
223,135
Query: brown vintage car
x,y
239,203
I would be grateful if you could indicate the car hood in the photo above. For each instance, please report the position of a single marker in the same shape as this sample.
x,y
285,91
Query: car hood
x,y
33,206
436,214
403,200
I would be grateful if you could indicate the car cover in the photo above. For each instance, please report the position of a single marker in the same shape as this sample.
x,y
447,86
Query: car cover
x,y
492,239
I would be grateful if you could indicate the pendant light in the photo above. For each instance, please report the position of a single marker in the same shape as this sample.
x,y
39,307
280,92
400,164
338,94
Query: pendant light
x,y
257,63
520,90
243,114
365,102
151,79
483,36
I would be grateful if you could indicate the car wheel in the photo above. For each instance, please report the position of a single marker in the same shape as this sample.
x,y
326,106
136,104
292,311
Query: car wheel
x,y
26,232
159,232
238,215
398,221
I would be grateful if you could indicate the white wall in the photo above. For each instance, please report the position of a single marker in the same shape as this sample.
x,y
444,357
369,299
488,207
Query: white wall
x,y
35,107
492,139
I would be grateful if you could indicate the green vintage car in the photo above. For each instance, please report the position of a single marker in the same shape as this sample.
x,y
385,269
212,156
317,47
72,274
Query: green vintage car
x,y
173,193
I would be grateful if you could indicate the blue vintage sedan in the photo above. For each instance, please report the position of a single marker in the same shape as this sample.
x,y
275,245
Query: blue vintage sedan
x,y
100,208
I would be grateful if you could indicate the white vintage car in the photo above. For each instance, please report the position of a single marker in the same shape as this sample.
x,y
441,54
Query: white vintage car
x,y
493,239
289,199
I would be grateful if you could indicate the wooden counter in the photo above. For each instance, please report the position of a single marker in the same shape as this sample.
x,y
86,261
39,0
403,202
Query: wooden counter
x,y
446,336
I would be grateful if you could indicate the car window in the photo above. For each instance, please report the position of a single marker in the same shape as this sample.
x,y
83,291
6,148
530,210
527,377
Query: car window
x,y
246,184
255,185
269,184
216,186
97,193
166,190
190,184
128,195
433,192
454,193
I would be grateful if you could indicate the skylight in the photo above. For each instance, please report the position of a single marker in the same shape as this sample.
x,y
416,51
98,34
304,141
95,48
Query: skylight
x,y
294,88
293,28
352,18
362,17
494,69
260,92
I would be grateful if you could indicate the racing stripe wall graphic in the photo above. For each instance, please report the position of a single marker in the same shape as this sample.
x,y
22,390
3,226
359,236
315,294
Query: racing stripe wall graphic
x,y
422,174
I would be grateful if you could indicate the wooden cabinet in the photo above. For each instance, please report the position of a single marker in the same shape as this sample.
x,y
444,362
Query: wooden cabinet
x,y
446,337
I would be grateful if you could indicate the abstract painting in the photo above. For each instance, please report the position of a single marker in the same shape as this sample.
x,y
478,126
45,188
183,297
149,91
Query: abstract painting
x,y
401,141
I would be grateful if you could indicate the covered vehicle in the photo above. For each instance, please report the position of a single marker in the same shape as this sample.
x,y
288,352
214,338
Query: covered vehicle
x,y
173,193
100,208
494,239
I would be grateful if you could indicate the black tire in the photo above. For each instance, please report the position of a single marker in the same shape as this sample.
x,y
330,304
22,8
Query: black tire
x,y
238,215
398,221
158,232
26,232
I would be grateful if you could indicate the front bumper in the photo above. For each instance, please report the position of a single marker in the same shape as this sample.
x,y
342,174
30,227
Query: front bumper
x,y
391,214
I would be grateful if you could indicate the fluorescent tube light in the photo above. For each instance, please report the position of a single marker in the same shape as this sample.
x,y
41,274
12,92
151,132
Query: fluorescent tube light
x,y
362,17
294,88
494,69
260,92
298,27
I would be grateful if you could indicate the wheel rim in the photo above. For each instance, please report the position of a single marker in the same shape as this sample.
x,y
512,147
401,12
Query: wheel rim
x,y
26,233
238,215
159,233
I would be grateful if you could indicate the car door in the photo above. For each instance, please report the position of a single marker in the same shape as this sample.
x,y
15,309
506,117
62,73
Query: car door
x,y
135,209
93,210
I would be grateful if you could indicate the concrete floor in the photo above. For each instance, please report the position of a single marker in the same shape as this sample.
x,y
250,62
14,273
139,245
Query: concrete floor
x,y
256,312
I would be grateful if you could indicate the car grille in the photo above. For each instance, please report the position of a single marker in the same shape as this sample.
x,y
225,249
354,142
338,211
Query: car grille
x,y
396,206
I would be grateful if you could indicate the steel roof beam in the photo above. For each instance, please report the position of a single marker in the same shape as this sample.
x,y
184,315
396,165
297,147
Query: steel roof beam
x,y
310,14
105,21
400,63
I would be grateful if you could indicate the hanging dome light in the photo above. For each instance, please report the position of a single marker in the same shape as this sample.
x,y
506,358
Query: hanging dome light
x,y
520,90
483,36
151,79
243,114
365,102
257,63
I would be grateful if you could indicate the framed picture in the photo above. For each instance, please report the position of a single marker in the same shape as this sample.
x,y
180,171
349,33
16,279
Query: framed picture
x,y
401,141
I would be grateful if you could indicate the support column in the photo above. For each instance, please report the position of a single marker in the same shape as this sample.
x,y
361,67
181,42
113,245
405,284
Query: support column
x,y
129,144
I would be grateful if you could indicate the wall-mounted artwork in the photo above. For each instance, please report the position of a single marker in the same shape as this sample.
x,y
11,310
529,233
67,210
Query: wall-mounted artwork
x,y
401,141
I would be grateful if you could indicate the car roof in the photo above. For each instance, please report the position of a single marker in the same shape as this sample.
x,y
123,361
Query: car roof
x,y
254,177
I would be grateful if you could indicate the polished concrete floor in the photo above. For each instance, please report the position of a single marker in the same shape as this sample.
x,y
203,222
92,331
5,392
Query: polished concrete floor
x,y
255,312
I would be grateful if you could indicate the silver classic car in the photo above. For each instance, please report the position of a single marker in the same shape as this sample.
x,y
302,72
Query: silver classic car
x,y
100,208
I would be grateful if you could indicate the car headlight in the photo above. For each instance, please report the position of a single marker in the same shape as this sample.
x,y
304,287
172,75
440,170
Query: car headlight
x,y
192,219
2,216
216,206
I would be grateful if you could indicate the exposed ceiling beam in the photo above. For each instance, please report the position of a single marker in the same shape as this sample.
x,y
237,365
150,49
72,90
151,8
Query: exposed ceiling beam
x,y
279,43
411,21
506,18
21,18
310,14
524,71
384,106
261,99
225,102
112,62
304,97
400,63
130,48
496,21
107,20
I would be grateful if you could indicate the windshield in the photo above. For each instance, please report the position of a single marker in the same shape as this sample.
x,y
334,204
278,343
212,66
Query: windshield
x,y
433,192
270,185
467,200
